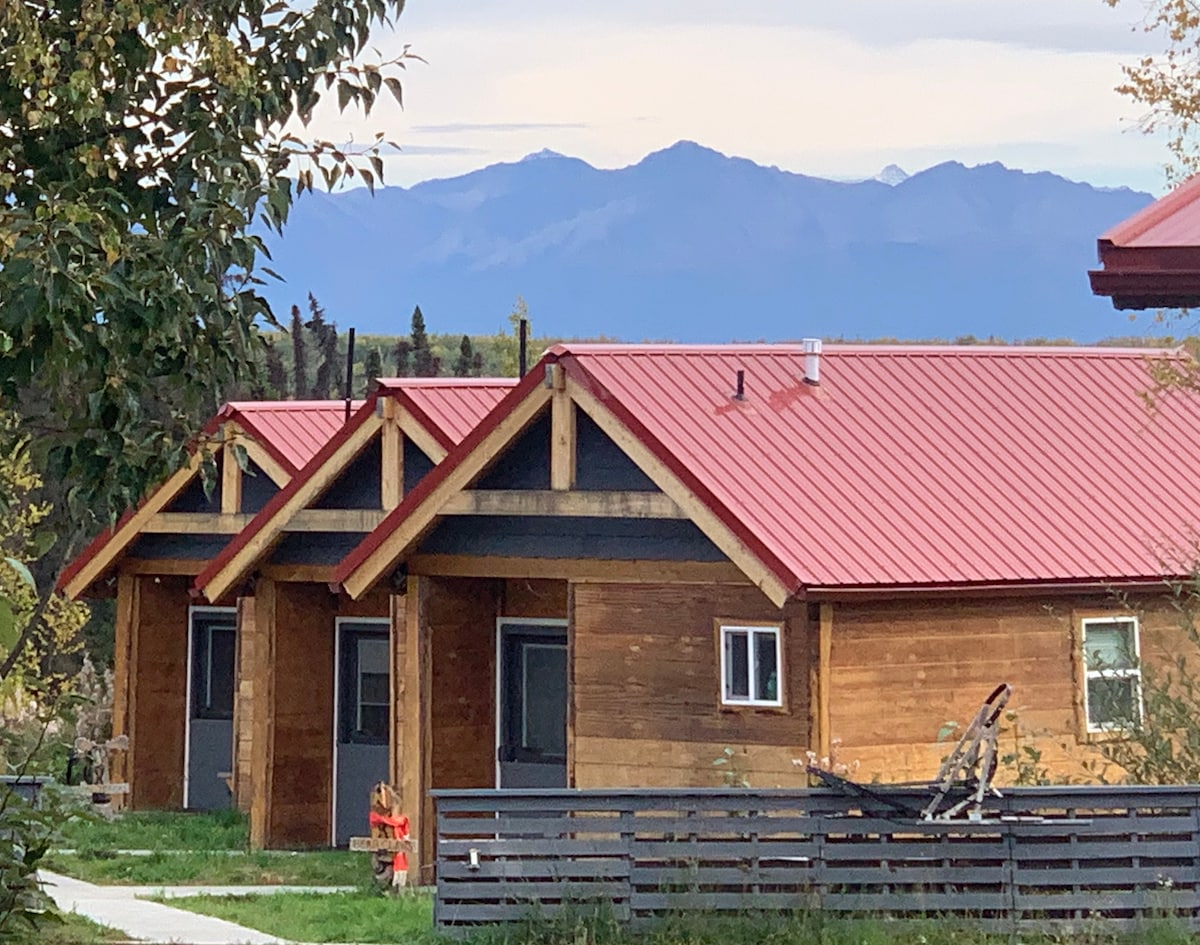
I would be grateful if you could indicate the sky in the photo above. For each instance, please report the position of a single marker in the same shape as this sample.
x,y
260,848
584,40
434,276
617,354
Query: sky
x,y
831,88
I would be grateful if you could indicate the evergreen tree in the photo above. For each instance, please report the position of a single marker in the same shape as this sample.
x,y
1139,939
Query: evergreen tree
x,y
327,382
477,365
422,355
277,381
373,367
465,359
403,356
299,357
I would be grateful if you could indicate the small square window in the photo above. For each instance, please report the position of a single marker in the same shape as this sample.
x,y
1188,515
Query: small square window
x,y
1112,677
751,666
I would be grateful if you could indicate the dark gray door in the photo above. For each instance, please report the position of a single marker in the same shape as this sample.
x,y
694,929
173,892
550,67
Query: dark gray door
x,y
533,706
210,715
362,724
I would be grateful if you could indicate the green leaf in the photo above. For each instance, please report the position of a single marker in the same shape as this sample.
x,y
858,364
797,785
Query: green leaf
x,y
22,572
8,626
394,86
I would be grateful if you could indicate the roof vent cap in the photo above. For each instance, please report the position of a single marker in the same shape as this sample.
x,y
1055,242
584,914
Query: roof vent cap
x,y
812,361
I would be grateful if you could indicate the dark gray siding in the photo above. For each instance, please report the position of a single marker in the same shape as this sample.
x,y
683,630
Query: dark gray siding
x,y
416,465
571,537
193,498
257,488
526,463
158,547
602,465
358,487
315,547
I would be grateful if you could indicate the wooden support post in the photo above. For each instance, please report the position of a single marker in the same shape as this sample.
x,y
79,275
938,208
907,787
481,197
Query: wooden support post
x,y
391,475
824,681
262,735
571,690
562,433
245,707
124,679
231,475
396,641
413,703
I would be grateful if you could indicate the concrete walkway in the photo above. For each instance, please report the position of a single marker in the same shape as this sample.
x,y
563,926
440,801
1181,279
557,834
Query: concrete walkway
x,y
120,908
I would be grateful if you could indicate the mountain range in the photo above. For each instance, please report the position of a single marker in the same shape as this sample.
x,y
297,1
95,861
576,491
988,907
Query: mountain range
x,y
692,245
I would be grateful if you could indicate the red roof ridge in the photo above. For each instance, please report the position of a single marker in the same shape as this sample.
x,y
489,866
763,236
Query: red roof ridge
x,y
402,382
876,350
1148,217
249,406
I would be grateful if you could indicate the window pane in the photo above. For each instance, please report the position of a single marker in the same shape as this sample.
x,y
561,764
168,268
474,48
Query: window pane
x,y
373,655
373,722
545,723
1112,701
224,649
374,688
737,665
1109,645
766,672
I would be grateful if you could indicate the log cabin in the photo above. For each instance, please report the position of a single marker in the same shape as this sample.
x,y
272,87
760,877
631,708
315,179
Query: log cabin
x,y
180,690
170,655
312,708
646,554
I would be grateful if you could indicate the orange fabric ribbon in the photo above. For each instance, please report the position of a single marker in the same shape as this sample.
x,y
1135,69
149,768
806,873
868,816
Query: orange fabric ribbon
x,y
399,827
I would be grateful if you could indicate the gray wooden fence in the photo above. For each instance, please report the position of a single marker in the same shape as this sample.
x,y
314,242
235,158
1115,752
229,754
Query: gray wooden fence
x,y
1040,855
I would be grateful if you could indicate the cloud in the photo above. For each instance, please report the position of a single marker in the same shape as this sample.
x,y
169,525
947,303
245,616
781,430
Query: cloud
x,y
434,150
832,89
462,127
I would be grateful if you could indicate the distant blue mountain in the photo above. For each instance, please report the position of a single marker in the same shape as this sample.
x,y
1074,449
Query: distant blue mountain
x,y
692,245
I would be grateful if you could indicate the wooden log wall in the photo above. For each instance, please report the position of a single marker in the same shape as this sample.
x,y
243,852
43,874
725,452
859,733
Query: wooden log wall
x,y
900,671
291,733
646,688
302,736
150,687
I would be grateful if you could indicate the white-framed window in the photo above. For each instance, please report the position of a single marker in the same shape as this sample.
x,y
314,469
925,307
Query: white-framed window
x,y
1112,694
751,665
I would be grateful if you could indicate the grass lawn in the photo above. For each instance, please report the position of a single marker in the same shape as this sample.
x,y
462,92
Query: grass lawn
x,y
69,929
367,916
157,830
373,919
270,868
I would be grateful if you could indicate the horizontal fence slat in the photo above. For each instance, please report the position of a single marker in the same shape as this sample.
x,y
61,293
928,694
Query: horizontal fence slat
x,y
532,847
564,868
527,891
478,913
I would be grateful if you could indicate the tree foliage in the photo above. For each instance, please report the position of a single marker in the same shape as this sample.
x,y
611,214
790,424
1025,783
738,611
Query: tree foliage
x,y
327,381
464,364
1167,85
422,355
372,367
510,353
139,140
300,386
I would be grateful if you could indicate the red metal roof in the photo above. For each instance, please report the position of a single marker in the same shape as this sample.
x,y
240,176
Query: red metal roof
x,y
452,405
448,408
291,430
1152,260
910,467
1172,220
927,465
